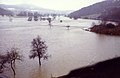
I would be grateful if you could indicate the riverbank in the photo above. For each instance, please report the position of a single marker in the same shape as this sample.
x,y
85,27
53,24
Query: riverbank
x,y
103,29
106,69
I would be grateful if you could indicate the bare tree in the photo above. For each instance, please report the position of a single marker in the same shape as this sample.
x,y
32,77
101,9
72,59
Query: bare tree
x,y
3,61
39,49
12,56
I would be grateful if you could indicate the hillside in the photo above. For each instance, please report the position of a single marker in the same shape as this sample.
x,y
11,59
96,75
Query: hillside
x,y
5,12
106,69
112,14
27,7
96,9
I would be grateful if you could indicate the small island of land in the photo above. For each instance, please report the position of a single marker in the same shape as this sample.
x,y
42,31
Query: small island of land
x,y
108,29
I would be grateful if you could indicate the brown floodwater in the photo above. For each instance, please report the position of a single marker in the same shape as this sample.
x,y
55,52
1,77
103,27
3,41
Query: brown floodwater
x,y
69,49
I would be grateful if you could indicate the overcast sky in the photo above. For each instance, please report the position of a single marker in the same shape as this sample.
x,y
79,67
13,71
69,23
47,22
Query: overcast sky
x,y
54,4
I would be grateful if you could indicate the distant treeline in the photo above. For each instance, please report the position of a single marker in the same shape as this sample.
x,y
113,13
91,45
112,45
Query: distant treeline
x,y
26,13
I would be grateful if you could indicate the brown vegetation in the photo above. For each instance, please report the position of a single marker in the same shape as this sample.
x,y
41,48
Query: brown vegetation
x,y
105,29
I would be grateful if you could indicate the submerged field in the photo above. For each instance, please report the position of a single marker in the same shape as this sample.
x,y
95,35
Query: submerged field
x,y
69,49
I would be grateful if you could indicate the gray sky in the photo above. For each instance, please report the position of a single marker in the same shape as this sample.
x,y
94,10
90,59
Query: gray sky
x,y
54,4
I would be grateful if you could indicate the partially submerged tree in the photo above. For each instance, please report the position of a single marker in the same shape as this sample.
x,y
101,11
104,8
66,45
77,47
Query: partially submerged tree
x,y
39,49
3,61
10,58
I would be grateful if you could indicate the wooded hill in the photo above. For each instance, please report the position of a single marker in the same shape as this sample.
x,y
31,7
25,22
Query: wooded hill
x,y
109,9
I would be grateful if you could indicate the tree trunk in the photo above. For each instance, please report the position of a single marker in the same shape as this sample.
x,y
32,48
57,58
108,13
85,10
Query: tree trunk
x,y
12,68
1,68
39,61
14,63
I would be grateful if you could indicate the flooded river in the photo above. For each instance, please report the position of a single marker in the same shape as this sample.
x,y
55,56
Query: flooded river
x,y
69,49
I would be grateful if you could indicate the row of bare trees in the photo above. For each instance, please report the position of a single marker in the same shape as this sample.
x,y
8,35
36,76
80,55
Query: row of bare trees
x,y
38,49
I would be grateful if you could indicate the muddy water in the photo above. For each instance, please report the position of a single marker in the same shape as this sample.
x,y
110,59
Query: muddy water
x,y
69,49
